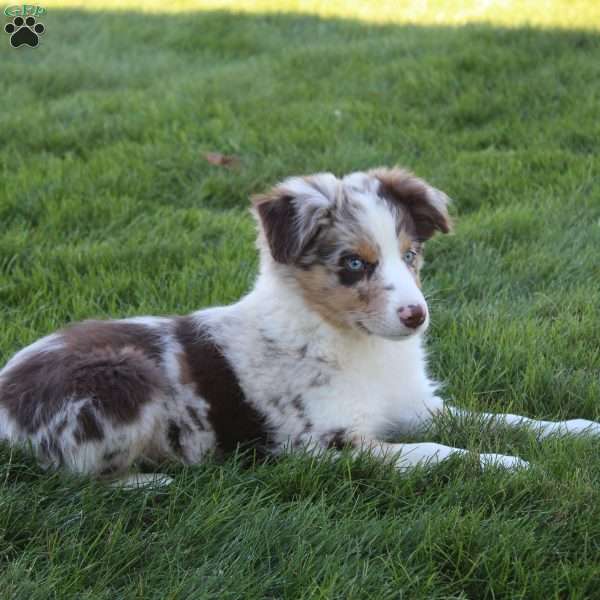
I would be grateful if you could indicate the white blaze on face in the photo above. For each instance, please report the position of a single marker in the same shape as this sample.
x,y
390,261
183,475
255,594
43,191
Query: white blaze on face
x,y
342,244
398,285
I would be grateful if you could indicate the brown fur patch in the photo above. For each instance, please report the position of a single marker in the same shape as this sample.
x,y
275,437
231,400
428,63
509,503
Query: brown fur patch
x,y
337,439
174,437
333,301
195,416
185,373
328,297
233,419
288,228
407,191
277,215
405,241
92,334
367,251
114,365
88,428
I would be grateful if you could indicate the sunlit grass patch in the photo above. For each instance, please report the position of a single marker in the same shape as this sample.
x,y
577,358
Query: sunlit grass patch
x,y
545,13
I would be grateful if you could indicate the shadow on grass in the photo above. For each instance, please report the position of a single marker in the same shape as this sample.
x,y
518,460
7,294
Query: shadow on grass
x,y
139,39
294,93
132,49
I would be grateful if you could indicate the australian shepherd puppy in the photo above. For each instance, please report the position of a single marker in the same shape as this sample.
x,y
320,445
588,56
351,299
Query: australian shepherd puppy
x,y
325,352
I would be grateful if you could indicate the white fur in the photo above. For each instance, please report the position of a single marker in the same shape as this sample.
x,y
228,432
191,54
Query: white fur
x,y
45,344
396,275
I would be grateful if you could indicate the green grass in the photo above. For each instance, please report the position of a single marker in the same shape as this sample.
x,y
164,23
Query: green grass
x,y
107,209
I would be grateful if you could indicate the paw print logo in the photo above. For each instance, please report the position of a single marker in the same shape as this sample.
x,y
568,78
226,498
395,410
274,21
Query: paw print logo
x,y
24,31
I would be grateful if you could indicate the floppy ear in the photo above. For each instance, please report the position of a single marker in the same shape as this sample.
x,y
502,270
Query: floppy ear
x,y
427,205
292,213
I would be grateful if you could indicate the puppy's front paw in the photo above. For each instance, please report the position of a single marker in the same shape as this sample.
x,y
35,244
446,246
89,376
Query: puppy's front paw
x,y
139,481
502,460
580,427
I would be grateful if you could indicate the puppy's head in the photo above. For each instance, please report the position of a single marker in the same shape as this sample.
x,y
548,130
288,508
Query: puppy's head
x,y
354,245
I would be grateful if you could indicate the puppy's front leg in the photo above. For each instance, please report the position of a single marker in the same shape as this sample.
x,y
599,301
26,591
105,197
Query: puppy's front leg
x,y
541,428
406,456
403,456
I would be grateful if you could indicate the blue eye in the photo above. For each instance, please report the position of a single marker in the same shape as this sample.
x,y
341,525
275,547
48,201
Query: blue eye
x,y
353,263
409,257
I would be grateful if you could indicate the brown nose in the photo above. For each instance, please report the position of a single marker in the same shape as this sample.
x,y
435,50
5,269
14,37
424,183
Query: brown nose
x,y
412,315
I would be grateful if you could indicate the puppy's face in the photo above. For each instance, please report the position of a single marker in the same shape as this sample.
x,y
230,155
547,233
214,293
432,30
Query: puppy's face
x,y
354,245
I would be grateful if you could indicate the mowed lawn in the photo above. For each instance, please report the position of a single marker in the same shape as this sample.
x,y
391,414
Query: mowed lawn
x,y
108,208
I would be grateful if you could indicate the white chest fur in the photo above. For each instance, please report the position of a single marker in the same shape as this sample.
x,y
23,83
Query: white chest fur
x,y
307,376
